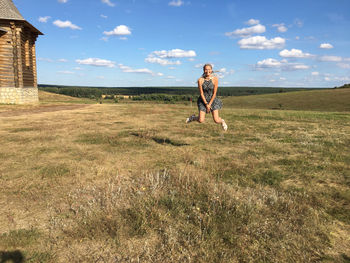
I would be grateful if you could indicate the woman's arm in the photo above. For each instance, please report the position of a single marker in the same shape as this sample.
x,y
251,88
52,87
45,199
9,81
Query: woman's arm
x,y
216,83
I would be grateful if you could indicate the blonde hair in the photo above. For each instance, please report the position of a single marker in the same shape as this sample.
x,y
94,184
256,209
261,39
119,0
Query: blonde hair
x,y
212,71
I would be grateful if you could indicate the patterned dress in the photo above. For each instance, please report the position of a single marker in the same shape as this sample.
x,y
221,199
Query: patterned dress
x,y
208,89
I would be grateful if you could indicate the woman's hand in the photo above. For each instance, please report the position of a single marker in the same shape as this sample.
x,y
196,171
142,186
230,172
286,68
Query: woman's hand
x,y
208,107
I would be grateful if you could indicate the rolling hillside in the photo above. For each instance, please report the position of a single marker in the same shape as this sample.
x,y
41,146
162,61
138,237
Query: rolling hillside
x,y
315,100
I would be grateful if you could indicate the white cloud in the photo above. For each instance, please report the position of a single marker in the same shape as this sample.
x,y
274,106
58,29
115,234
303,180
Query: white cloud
x,y
248,31
174,53
163,57
283,65
252,22
298,22
261,42
121,30
45,59
176,3
44,19
108,2
65,72
344,65
162,61
128,69
327,79
294,53
104,16
315,73
63,1
66,24
97,62
326,46
280,27
331,59
62,60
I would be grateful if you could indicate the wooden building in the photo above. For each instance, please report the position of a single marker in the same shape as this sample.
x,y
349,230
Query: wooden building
x,y
18,74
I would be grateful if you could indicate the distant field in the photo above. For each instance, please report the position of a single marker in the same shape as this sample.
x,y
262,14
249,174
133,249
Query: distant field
x,y
320,100
131,182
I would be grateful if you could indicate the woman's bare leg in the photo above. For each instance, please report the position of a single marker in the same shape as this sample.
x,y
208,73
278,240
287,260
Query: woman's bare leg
x,y
201,116
218,120
216,117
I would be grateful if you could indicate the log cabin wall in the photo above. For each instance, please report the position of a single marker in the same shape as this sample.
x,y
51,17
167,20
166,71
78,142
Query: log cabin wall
x,y
18,81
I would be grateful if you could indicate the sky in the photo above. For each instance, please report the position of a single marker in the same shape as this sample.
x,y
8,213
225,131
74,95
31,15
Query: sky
x,y
128,43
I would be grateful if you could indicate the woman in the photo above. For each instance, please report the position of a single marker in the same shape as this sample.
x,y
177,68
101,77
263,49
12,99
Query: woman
x,y
207,101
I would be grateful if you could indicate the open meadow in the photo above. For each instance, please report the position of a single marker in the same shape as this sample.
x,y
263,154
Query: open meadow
x,y
131,182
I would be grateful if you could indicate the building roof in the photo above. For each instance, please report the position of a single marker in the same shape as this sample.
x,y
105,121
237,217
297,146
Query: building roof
x,y
9,11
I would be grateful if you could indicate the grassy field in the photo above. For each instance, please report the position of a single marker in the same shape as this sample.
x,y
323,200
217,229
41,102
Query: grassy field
x,y
82,182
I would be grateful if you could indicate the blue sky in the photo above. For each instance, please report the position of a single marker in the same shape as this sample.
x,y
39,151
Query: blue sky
x,y
283,43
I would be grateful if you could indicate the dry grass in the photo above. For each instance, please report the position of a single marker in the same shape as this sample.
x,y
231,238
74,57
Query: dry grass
x,y
133,183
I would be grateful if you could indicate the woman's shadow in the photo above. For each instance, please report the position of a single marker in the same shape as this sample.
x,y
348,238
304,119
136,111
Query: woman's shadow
x,y
11,257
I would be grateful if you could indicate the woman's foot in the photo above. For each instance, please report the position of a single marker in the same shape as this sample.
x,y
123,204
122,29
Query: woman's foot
x,y
224,125
191,118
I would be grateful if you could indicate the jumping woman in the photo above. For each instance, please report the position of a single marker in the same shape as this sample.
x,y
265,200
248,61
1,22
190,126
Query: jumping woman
x,y
207,101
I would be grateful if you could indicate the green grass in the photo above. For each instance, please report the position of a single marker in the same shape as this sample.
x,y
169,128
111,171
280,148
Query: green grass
x,y
315,100
133,182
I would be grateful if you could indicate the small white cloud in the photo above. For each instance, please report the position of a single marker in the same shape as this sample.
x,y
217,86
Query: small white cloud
x,y
176,3
330,59
294,53
326,46
191,59
248,31
45,59
162,61
327,79
123,38
67,72
62,60
174,53
100,77
66,24
280,27
298,22
170,77
252,22
97,62
128,69
108,2
283,65
121,30
297,37
63,1
261,42
44,19
103,16
315,73
344,65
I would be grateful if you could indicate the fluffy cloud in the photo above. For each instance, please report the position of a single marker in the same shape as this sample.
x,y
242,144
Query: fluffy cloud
x,y
315,73
248,31
108,2
97,62
162,61
261,42
174,53
63,1
128,69
330,58
294,53
44,19
66,24
280,27
344,65
252,22
163,57
283,65
326,46
121,30
176,3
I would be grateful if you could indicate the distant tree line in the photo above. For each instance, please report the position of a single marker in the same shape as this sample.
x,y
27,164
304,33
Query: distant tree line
x,y
157,93
343,87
